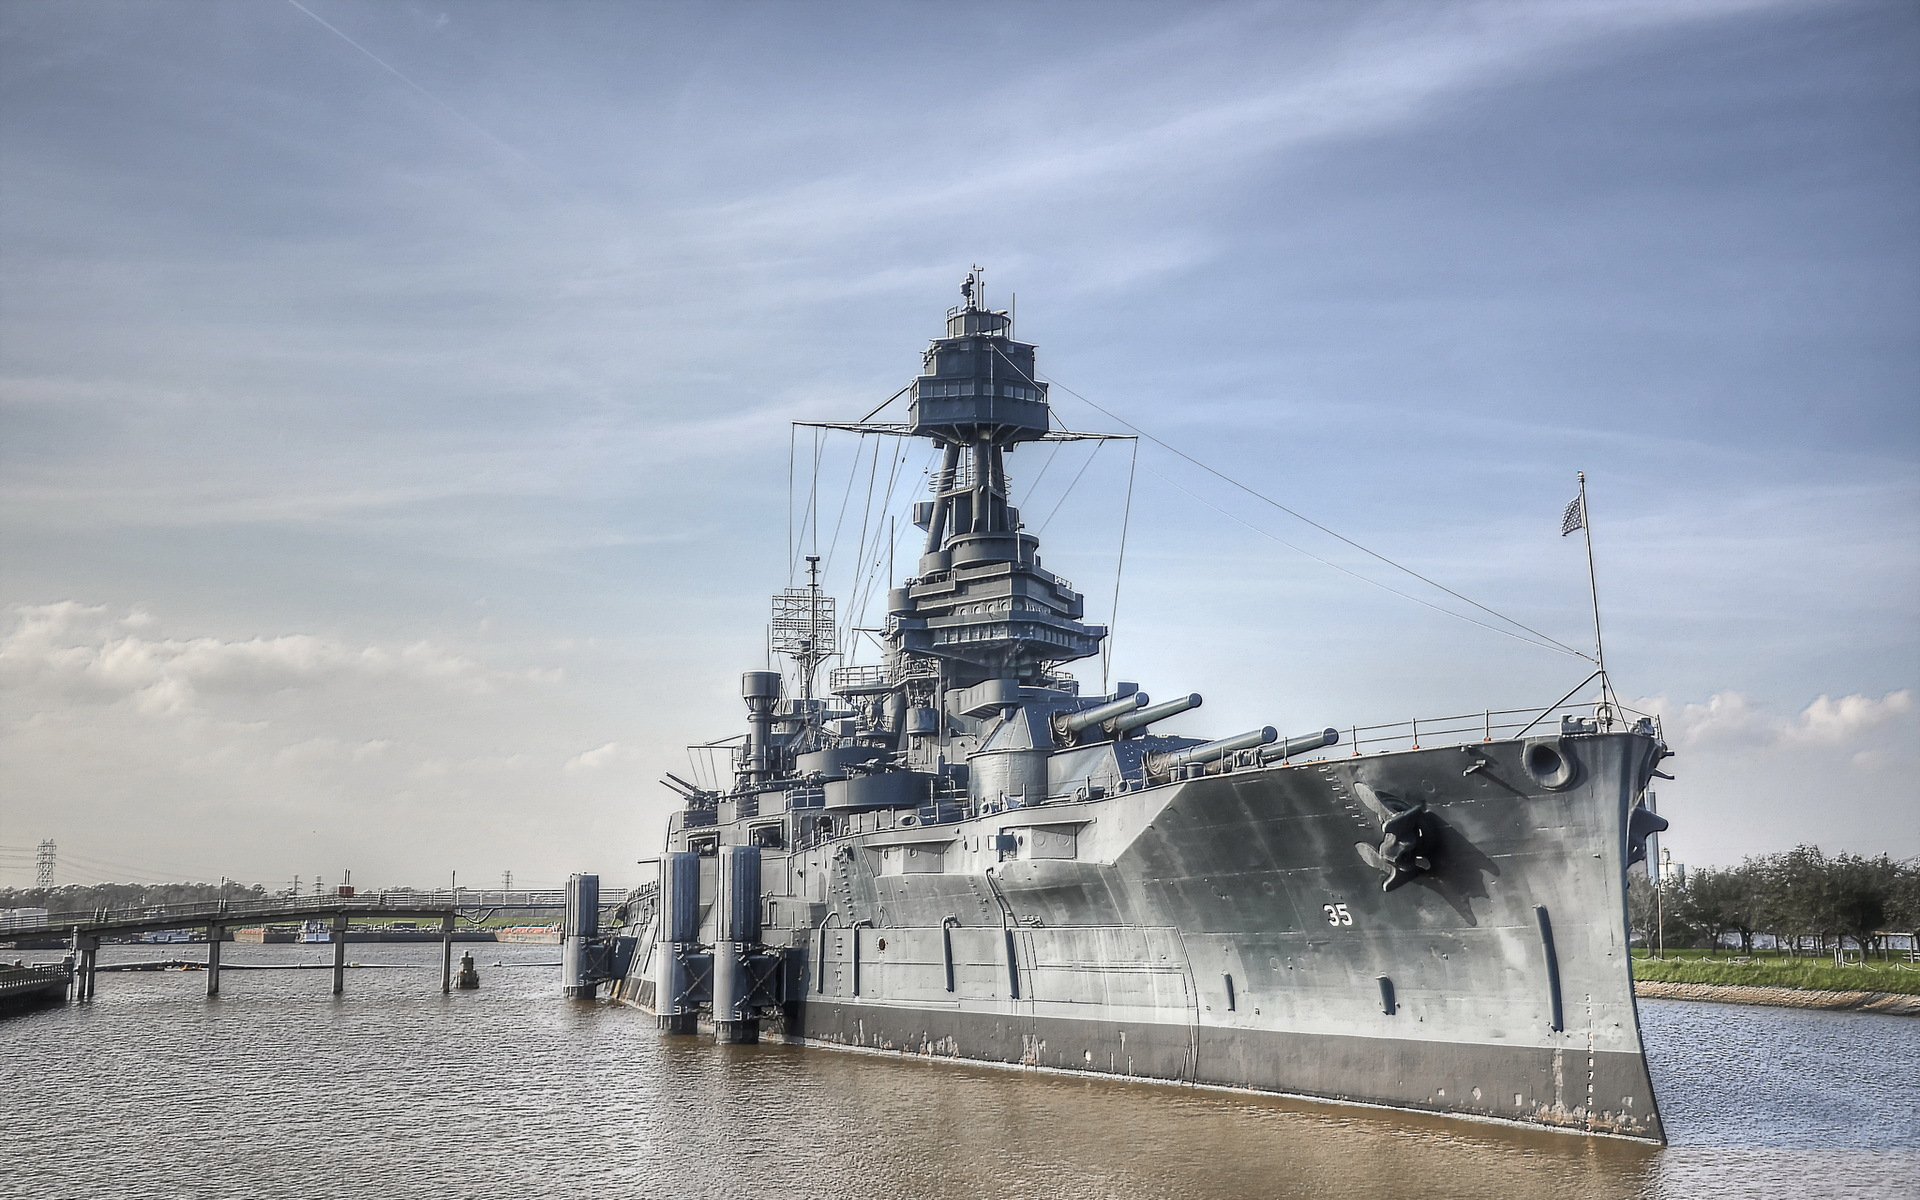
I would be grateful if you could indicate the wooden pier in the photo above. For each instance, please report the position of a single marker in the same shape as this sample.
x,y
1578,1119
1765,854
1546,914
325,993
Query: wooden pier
x,y
23,987
84,932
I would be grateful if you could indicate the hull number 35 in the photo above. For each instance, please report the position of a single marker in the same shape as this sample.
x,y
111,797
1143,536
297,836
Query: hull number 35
x,y
1337,914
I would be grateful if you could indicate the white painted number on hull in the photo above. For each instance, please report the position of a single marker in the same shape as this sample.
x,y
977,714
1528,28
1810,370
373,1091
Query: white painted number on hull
x,y
1337,914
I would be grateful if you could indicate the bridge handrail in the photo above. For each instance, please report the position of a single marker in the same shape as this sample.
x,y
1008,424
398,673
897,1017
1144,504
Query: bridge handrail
x,y
227,912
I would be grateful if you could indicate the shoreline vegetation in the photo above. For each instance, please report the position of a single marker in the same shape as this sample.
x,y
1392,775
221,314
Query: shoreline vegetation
x,y
1890,1003
1780,980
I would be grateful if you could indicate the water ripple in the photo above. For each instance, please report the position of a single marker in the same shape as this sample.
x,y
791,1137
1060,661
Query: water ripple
x,y
280,1089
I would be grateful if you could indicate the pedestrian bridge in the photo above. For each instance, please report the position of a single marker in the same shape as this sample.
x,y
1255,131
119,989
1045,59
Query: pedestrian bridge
x,y
84,930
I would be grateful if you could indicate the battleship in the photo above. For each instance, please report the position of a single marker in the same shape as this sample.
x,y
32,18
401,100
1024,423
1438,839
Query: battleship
x,y
954,853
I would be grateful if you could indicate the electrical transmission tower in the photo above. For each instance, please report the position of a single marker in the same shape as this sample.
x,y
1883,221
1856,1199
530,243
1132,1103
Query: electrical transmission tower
x,y
506,881
43,865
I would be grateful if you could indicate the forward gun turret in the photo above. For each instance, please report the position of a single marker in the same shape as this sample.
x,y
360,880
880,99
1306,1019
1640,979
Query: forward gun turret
x,y
1206,752
1120,726
1069,726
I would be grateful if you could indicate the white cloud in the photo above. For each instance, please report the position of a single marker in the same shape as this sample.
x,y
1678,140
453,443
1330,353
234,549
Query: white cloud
x,y
122,737
1753,779
1731,719
1831,722
85,653
598,757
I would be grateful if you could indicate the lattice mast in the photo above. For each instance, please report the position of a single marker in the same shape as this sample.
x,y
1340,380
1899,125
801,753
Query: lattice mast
x,y
805,626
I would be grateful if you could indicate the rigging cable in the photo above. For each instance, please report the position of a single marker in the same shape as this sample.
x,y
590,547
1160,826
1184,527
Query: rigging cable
x,y
1113,621
853,472
890,546
860,551
1071,484
1355,574
1034,486
813,505
869,572
1548,639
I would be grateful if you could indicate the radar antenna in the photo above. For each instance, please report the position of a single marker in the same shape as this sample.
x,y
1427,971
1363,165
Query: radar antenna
x,y
804,626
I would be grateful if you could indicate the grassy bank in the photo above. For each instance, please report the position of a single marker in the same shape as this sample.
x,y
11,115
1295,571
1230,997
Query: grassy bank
x,y
1768,970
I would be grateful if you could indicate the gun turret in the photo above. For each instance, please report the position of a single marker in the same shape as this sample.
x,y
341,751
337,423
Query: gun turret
x,y
1121,725
1300,745
1069,726
1207,752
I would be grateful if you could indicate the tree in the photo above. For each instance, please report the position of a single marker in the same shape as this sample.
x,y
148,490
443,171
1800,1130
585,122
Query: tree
x,y
1642,908
1903,901
1709,902
1796,887
1857,894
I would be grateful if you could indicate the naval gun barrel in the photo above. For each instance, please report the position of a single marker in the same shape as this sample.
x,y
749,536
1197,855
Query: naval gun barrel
x,y
1300,744
1069,725
1207,752
1152,713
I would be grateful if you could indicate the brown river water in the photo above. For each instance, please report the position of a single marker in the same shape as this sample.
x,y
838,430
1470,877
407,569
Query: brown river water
x,y
279,1089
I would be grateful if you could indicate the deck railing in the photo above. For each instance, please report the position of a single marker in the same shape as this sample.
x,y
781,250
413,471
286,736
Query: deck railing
x,y
1491,725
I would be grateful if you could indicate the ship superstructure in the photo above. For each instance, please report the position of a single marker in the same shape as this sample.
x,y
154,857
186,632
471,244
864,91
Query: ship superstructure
x,y
954,852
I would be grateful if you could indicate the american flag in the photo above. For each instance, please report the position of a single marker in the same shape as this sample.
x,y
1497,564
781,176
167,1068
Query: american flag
x,y
1574,518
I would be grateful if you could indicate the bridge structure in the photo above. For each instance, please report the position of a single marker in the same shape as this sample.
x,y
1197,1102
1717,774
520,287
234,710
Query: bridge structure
x,y
84,931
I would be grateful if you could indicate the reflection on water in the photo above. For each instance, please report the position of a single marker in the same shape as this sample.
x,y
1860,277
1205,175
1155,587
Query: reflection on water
x,y
279,1089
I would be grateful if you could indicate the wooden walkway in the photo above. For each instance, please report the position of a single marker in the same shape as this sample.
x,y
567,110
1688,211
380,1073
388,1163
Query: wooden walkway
x,y
84,930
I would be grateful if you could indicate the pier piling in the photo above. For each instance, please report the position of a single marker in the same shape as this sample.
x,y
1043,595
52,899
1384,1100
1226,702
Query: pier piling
x,y
214,934
446,953
340,954
89,962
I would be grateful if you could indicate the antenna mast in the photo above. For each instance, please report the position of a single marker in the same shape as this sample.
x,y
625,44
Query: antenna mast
x,y
803,626
1607,695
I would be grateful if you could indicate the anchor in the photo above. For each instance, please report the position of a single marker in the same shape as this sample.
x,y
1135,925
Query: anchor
x,y
1409,842
1642,823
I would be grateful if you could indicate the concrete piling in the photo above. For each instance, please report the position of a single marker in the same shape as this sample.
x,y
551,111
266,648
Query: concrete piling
x,y
580,930
340,954
736,935
214,935
446,953
679,931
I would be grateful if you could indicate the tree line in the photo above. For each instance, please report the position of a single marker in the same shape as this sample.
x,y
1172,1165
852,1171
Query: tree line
x,y
1801,900
86,897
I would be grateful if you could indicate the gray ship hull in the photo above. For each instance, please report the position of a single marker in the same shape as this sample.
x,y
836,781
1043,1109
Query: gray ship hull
x,y
1232,930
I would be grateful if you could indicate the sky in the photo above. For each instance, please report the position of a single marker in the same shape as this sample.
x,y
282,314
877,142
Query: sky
x,y
395,398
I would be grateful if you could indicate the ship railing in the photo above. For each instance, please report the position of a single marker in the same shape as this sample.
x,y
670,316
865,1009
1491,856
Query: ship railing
x,y
861,678
1060,681
916,666
874,677
942,810
1495,724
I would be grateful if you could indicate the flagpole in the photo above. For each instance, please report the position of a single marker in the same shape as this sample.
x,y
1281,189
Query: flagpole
x,y
1593,588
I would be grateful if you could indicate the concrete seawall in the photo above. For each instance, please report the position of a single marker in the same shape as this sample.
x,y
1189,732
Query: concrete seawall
x,y
1780,997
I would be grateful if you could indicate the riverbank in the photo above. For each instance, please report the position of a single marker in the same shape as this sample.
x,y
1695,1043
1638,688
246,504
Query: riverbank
x,y
1772,970
1892,1003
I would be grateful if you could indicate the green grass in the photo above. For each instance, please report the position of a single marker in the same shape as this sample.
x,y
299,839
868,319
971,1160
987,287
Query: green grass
x,y
1769,970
